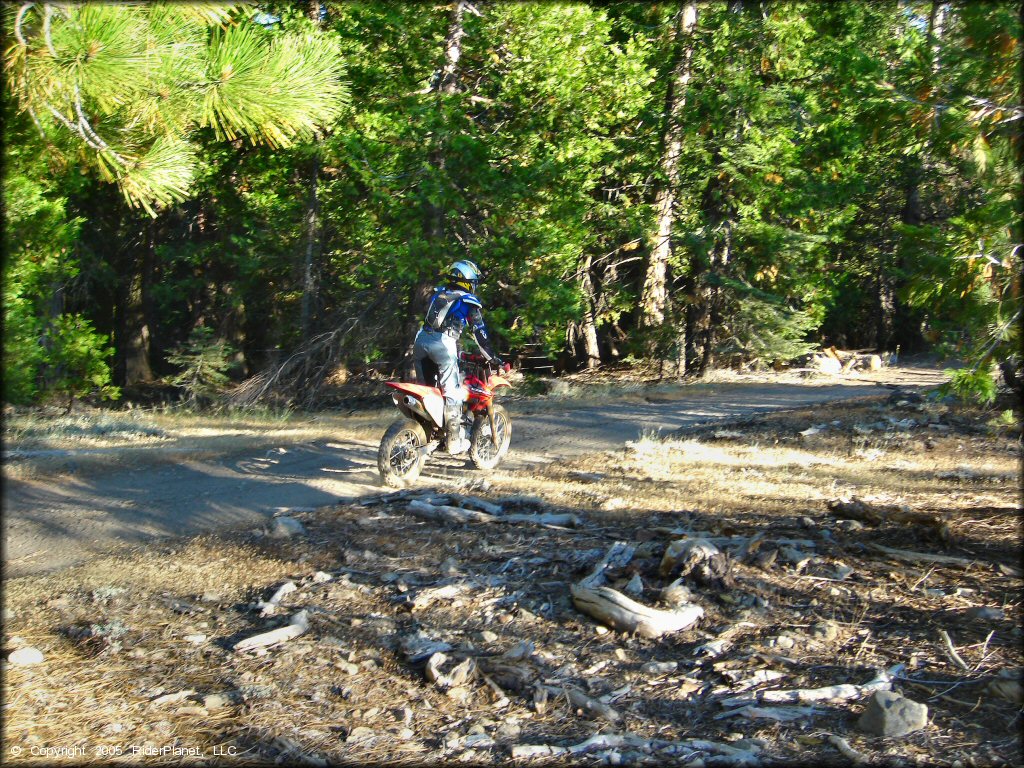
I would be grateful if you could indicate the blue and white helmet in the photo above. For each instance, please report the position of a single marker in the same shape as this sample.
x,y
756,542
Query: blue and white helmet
x,y
465,275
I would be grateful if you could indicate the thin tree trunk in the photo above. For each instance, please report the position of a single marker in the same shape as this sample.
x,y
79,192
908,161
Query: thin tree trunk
x,y
136,332
654,297
312,248
588,328
312,254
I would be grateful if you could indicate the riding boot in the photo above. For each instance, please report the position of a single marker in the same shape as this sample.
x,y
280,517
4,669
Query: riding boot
x,y
453,431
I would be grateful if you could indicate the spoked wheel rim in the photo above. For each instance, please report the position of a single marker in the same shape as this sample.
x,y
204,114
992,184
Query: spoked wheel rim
x,y
404,453
486,449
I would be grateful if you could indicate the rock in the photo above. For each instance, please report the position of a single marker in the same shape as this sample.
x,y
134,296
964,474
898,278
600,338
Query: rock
x,y
849,526
785,642
891,715
1007,686
320,577
449,567
196,639
587,477
285,528
825,630
635,586
25,657
985,613
488,637
659,667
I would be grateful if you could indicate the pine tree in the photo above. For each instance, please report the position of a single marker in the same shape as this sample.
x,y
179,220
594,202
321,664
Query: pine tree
x,y
125,87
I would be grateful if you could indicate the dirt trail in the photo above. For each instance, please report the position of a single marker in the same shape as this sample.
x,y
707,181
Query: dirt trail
x,y
55,522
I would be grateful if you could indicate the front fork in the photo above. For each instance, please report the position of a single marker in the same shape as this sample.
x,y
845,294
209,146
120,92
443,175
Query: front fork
x,y
494,431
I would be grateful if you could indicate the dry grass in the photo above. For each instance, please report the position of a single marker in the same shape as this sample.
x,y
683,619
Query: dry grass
x,y
312,696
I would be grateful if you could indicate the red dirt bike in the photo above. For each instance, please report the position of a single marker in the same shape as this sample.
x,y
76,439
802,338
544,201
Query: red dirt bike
x,y
408,441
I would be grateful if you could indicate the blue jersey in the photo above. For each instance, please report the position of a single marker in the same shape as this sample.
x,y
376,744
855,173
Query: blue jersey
x,y
465,310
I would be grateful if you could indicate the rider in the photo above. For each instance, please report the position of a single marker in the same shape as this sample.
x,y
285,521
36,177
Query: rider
x,y
452,307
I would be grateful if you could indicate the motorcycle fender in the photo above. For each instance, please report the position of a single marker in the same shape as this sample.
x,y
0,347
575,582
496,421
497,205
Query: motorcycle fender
x,y
417,409
496,382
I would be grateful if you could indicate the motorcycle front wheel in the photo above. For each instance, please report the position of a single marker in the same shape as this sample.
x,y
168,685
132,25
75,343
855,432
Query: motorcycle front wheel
x,y
400,457
482,449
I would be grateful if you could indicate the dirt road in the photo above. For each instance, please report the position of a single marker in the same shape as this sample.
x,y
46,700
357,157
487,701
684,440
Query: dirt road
x,y
56,522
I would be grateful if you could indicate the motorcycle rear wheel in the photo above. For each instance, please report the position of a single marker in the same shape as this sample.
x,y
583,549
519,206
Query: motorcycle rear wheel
x,y
482,451
400,458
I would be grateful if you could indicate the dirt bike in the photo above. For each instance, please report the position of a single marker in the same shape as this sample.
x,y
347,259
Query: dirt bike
x,y
408,441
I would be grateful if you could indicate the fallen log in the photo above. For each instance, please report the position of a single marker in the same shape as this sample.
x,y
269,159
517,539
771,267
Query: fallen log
x,y
626,615
297,626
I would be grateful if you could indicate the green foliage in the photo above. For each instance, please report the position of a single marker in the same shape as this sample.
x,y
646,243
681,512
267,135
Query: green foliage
x,y
842,158
204,362
972,385
76,361
762,332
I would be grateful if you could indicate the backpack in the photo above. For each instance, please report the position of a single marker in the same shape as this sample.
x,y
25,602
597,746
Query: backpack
x,y
439,307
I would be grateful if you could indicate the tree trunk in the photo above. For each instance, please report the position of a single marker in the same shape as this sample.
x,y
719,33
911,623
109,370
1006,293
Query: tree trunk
x,y
312,249
135,326
654,297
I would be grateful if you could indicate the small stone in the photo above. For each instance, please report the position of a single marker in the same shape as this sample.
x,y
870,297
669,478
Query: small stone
x,y
320,577
449,567
405,734
825,630
196,639
503,618
784,641
600,629
889,714
285,528
403,715
218,700
347,667
359,733
488,637
25,657
807,522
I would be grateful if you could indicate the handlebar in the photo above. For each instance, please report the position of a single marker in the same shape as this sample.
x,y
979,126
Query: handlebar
x,y
467,357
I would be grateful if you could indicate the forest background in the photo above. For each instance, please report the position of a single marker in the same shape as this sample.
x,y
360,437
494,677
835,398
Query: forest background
x,y
197,195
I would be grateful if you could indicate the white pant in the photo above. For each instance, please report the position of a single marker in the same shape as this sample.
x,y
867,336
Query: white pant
x,y
437,349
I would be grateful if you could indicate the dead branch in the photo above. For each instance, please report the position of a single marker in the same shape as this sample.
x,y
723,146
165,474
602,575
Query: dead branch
x,y
620,612
617,556
875,514
881,682
845,749
297,626
579,700
448,514
951,651
920,557
267,608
